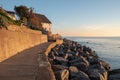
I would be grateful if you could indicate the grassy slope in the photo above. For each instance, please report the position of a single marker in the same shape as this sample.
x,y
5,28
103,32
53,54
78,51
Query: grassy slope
x,y
5,20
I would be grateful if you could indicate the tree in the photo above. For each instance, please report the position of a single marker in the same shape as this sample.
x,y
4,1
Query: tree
x,y
28,17
22,11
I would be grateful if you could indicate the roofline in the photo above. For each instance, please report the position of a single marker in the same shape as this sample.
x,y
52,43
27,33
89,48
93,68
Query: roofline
x,y
10,12
45,16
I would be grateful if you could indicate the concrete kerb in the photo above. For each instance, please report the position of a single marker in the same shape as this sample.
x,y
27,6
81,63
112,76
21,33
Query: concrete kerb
x,y
43,62
52,45
45,71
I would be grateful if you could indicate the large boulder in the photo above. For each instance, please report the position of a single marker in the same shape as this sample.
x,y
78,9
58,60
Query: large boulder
x,y
71,57
73,69
79,59
81,63
84,54
62,74
94,54
58,67
87,49
105,65
81,66
93,60
114,74
96,74
60,61
79,76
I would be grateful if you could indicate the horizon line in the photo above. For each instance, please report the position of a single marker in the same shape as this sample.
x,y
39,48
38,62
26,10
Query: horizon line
x,y
90,36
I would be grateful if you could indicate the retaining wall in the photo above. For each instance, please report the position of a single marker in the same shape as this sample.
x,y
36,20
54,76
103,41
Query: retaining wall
x,y
12,42
52,46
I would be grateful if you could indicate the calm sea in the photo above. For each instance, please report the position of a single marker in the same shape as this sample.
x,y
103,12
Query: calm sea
x,y
108,48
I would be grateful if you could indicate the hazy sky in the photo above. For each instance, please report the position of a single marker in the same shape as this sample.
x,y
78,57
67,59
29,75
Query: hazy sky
x,y
76,17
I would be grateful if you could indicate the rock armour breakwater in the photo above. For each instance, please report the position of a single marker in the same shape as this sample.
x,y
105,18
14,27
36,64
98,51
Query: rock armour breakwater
x,y
72,61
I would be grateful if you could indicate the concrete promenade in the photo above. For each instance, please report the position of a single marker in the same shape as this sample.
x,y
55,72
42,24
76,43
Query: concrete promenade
x,y
30,64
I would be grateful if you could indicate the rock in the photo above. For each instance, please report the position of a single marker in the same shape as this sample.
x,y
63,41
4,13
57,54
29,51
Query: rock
x,y
81,63
94,54
81,49
84,54
96,74
62,75
114,74
78,49
73,53
79,76
105,65
99,64
93,60
73,69
79,59
60,61
61,54
77,54
81,66
87,52
66,56
71,57
71,61
87,49
96,66
51,55
58,67
68,50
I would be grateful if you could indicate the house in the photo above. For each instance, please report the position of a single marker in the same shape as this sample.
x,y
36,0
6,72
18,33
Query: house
x,y
11,14
46,23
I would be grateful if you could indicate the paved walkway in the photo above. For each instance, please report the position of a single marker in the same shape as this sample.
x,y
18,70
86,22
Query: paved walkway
x,y
25,65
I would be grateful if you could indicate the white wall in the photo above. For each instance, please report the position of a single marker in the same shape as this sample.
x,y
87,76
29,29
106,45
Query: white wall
x,y
47,26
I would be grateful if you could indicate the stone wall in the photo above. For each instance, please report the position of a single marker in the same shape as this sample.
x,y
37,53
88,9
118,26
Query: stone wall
x,y
13,42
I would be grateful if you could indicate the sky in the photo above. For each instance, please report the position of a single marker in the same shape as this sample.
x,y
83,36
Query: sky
x,y
76,17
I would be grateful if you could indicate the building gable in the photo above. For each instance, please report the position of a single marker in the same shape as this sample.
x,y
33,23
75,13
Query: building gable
x,y
43,18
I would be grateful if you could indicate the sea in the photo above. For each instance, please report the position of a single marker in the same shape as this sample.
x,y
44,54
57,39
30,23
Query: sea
x,y
107,48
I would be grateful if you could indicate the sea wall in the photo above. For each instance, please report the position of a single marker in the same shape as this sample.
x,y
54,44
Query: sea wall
x,y
72,61
58,42
45,64
13,42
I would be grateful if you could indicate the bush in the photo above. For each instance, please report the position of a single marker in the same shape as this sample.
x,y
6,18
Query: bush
x,y
17,22
3,22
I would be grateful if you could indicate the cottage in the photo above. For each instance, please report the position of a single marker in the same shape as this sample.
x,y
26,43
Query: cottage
x,y
46,23
11,14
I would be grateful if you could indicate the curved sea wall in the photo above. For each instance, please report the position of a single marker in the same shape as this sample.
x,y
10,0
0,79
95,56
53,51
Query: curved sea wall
x,y
52,45
13,42
45,64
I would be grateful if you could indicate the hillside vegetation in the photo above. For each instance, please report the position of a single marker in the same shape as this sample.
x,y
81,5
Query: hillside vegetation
x,y
5,20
